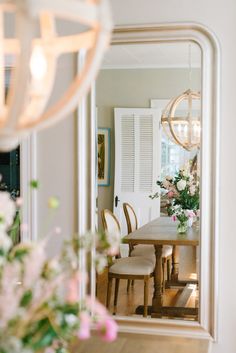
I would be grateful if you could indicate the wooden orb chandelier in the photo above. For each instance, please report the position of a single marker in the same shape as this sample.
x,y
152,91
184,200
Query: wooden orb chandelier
x,y
34,50
185,128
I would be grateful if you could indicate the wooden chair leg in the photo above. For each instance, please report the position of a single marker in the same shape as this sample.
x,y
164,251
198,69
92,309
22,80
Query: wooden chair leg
x,y
146,287
116,295
132,282
109,286
128,285
168,270
163,273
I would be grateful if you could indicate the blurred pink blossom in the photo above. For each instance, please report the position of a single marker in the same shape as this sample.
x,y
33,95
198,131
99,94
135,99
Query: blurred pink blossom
x,y
174,218
49,350
24,227
19,201
84,330
33,265
73,286
113,250
7,210
96,307
170,194
107,329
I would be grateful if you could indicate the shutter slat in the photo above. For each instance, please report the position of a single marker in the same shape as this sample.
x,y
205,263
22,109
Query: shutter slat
x,y
146,154
127,154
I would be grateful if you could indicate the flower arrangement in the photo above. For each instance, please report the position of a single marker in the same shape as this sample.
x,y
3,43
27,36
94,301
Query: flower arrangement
x,y
41,306
183,196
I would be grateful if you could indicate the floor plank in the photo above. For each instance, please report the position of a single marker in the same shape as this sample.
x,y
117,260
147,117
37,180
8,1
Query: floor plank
x,y
136,344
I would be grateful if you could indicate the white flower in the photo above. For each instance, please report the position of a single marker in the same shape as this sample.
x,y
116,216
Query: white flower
x,y
185,173
189,213
7,210
101,262
113,238
5,242
181,185
192,190
191,177
71,319
33,264
166,184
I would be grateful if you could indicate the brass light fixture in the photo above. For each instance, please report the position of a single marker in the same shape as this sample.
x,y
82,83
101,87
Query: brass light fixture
x,y
185,127
34,49
184,130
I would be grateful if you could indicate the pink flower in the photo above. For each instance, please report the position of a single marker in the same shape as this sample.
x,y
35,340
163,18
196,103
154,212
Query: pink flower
x,y
24,227
170,194
107,329
19,201
84,330
73,286
190,214
73,289
174,218
49,350
96,307
7,210
33,264
114,250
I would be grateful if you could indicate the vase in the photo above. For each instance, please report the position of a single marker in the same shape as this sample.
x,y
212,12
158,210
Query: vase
x,y
190,222
182,227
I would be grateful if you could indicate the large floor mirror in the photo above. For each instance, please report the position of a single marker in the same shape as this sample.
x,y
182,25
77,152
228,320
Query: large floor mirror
x,y
134,87
156,172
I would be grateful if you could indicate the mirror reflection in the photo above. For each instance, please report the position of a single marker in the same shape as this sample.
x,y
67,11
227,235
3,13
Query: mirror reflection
x,y
149,136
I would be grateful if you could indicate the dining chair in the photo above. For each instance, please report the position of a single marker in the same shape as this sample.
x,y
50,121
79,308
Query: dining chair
x,y
146,251
128,268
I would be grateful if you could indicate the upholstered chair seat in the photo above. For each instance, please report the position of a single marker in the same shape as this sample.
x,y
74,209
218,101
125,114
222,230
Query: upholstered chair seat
x,y
132,266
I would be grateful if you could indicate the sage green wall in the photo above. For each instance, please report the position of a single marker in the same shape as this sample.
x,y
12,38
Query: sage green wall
x,y
133,88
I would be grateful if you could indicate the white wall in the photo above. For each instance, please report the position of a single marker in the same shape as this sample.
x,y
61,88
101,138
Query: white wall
x,y
56,168
220,17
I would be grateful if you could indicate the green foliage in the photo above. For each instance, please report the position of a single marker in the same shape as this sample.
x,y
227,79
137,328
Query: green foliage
x,y
26,299
34,184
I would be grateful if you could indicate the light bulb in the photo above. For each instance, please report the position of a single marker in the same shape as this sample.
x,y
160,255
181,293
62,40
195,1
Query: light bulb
x,y
38,64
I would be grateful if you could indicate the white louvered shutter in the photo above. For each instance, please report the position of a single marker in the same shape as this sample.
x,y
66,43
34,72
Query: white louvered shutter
x,y
127,153
137,162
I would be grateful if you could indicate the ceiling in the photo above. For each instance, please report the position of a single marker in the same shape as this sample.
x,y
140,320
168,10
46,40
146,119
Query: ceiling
x,y
163,55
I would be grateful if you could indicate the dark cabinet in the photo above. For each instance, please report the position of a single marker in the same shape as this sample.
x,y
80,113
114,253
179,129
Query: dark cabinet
x,y
10,171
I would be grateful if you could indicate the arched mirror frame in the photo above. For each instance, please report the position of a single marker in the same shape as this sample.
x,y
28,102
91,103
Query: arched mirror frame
x,y
206,327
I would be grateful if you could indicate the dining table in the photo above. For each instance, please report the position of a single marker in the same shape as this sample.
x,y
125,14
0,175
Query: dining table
x,y
163,231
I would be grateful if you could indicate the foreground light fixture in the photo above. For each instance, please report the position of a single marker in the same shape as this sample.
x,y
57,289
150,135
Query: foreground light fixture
x,y
34,50
183,128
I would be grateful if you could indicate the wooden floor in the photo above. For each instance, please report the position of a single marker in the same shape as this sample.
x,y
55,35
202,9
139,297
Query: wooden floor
x,y
128,301
130,343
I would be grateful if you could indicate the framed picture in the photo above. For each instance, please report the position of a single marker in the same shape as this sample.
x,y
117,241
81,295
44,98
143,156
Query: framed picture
x,y
103,156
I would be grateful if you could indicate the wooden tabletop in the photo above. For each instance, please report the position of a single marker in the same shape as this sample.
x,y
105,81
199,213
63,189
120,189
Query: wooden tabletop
x,y
163,231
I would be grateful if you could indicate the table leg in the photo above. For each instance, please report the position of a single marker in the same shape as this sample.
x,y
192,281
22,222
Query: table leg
x,y
175,264
157,294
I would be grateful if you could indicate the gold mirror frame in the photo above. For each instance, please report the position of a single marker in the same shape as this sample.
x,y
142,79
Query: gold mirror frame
x,y
206,327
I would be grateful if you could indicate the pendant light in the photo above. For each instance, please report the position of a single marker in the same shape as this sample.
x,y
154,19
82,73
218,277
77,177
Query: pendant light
x,y
180,119
34,50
